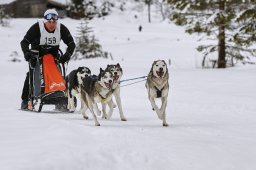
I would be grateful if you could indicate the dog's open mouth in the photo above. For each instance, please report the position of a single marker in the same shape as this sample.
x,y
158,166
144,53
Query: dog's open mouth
x,y
108,85
160,73
116,77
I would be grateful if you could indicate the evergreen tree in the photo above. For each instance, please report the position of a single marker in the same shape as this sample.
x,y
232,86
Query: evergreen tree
x,y
105,8
217,19
87,46
82,9
76,9
245,36
247,32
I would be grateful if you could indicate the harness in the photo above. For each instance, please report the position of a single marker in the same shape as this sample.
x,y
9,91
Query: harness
x,y
158,92
108,95
104,99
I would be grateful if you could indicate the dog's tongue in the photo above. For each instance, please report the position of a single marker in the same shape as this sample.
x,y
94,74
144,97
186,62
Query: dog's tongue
x,y
108,85
116,77
160,73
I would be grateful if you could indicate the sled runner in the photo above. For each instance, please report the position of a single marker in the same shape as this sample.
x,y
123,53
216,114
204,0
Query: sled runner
x,y
46,82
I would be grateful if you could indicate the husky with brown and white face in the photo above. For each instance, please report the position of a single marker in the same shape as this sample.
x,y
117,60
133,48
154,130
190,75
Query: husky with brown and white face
x,y
158,87
117,73
96,89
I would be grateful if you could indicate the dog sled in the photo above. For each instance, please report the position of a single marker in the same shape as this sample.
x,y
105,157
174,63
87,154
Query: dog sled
x,y
46,82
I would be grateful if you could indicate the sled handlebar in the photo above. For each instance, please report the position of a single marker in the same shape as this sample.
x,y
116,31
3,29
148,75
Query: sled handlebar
x,y
36,52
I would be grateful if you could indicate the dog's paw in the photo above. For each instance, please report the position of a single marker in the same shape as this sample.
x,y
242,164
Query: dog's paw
x,y
165,124
123,119
86,117
104,116
97,124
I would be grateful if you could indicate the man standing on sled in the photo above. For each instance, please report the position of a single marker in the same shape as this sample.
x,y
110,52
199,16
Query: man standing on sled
x,y
47,32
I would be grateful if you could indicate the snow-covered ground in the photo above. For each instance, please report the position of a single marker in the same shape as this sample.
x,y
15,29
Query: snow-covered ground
x,y
211,113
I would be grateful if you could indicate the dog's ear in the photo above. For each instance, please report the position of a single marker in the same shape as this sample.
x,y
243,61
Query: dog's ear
x,y
150,74
89,71
101,73
101,70
164,62
76,70
120,68
153,66
167,73
79,68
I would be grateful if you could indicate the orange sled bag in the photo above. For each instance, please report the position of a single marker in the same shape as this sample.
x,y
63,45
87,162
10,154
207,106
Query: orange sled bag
x,y
53,79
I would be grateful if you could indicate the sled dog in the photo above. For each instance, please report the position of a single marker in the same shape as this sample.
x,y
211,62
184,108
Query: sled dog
x,y
117,73
74,83
158,87
96,89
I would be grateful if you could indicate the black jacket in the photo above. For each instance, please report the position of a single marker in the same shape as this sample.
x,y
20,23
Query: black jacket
x,y
33,35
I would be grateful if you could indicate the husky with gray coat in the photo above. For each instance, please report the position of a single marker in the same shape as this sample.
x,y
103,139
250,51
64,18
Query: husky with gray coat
x,y
117,73
158,87
74,83
96,89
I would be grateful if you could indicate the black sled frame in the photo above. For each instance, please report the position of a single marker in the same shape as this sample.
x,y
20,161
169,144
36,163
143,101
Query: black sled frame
x,y
37,98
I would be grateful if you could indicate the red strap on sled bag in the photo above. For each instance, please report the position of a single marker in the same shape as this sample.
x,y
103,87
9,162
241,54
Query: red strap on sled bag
x,y
53,79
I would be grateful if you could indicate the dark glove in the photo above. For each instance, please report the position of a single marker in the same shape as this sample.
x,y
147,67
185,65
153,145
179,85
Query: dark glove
x,y
64,58
32,62
28,55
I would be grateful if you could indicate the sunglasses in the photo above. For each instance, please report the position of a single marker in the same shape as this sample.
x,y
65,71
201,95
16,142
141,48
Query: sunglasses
x,y
51,17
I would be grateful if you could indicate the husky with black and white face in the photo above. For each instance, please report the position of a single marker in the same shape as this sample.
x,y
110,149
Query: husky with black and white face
x,y
158,87
117,73
74,82
96,89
